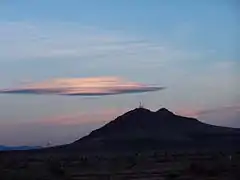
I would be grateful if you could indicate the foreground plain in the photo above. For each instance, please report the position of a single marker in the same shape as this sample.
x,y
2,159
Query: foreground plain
x,y
142,166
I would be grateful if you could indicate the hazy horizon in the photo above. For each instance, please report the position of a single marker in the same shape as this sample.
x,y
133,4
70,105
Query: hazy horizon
x,y
67,68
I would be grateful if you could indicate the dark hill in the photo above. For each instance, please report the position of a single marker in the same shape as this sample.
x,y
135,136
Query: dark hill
x,y
142,129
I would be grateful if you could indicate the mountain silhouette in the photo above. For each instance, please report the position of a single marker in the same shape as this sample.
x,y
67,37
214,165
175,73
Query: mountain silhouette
x,y
141,129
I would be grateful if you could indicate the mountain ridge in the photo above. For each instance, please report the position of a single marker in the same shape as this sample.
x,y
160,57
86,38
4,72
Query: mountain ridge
x,y
143,129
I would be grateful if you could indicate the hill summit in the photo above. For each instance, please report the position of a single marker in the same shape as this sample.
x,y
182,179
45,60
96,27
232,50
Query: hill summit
x,y
142,129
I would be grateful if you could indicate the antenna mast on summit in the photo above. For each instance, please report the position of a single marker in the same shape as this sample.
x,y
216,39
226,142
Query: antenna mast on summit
x,y
140,105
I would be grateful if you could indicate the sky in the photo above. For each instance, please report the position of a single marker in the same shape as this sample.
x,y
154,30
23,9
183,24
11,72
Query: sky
x,y
68,67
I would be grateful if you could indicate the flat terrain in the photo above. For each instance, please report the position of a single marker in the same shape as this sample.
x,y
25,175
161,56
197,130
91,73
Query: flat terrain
x,y
141,166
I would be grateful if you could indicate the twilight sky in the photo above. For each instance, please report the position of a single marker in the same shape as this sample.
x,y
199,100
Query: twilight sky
x,y
68,67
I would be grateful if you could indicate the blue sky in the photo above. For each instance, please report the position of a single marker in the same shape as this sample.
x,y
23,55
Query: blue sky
x,y
189,47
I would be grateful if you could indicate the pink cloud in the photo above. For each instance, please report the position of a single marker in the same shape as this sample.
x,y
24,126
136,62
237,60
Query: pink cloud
x,y
59,129
194,112
226,115
188,112
83,118
92,86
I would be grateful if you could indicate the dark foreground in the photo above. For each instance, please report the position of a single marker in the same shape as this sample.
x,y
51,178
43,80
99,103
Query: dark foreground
x,y
144,166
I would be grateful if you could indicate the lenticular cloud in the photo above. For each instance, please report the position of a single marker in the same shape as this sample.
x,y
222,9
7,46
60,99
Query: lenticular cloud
x,y
94,86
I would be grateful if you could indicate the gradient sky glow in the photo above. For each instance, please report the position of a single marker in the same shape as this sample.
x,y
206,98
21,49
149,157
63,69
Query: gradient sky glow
x,y
189,47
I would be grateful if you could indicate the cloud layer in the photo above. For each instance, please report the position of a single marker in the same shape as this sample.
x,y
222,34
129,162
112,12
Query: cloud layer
x,y
224,116
28,40
93,86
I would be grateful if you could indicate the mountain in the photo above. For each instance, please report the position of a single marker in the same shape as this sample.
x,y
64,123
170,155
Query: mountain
x,y
16,148
141,129
139,144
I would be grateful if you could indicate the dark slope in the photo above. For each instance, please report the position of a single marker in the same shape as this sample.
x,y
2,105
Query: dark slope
x,y
142,129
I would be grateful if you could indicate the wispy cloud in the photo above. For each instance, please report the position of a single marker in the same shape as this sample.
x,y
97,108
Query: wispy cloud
x,y
99,116
197,113
58,129
225,115
28,40
93,86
